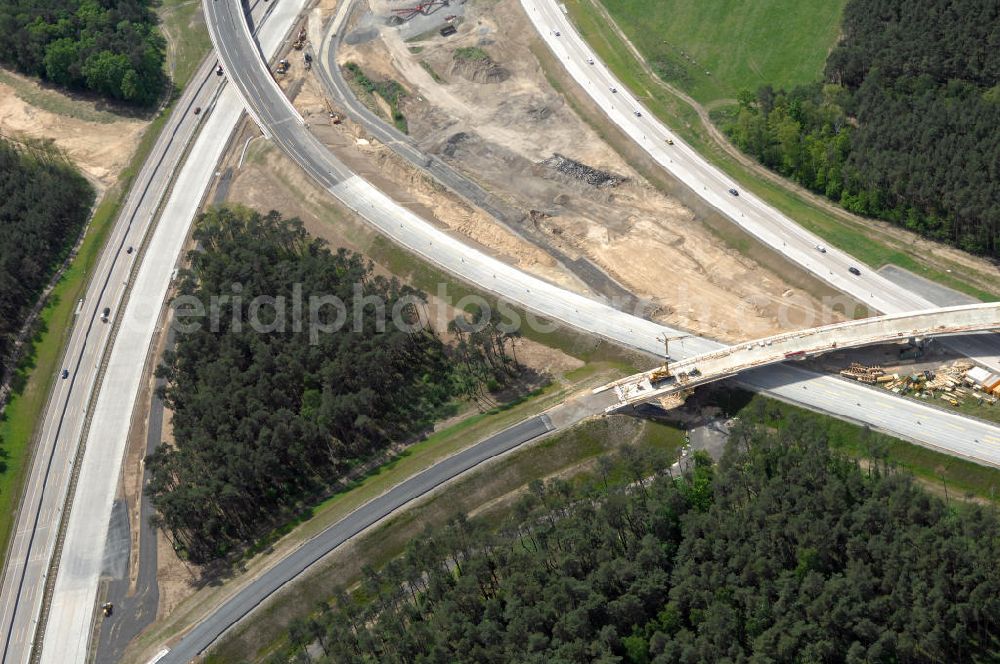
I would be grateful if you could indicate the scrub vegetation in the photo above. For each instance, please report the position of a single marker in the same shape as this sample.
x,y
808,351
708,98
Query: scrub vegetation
x,y
389,90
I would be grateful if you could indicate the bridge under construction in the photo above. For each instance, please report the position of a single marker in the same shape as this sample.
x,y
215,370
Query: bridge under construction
x,y
669,384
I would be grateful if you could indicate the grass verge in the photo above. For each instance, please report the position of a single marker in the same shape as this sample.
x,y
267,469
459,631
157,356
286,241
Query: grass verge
x,y
862,241
183,25
411,461
54,101
427,278
970,407
41,363
489,492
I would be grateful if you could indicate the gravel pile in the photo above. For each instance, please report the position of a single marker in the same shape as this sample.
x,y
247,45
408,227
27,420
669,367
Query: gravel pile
x,y
451,145
579,171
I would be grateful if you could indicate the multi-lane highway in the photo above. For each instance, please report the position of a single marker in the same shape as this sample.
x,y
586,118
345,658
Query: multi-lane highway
x,y
902,417
37,525
749,212
269,106
127,255
206,632
75,588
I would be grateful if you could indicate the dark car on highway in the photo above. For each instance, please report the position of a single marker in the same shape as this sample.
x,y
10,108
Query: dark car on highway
x,y
734,192
855,271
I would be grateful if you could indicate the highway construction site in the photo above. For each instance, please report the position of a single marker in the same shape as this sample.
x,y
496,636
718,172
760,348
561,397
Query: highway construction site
x,y
574,212
580,217
925,370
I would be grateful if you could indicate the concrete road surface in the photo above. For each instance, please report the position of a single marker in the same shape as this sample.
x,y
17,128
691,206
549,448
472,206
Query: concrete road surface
x,y
72,609
135,608
37,520
731,360
330,75
749,212
269,106
279,120
294,564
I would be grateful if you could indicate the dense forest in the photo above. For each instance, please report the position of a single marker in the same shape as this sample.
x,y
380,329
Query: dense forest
x,y
44,204
906,125
266,420
784,552
112,48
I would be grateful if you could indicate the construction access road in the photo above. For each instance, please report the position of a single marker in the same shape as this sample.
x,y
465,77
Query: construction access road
x,y
336,87
746,210
905,418
280,120
829,394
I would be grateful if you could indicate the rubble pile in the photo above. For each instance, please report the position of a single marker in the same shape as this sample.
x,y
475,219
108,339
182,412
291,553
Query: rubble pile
x,y
575,169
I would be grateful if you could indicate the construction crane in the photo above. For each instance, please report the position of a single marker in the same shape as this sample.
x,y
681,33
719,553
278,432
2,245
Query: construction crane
x,y
406,13
663,372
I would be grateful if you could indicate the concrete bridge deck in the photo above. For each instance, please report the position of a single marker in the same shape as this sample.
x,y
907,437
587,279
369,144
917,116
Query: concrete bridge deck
x,y
675,377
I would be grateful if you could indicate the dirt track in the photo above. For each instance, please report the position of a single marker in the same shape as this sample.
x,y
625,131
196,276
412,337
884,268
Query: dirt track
x,y
498,130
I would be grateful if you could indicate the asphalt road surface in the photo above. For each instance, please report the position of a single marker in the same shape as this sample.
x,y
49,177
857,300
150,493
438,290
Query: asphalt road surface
x,y
332,79
753,215
905,418
135,607
268,105
279,120
72,608
207,631
48,478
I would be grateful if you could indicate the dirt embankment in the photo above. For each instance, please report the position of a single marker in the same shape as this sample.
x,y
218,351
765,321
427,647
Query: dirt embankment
x,y
268,180
519,139
475,65
416,190
99,142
